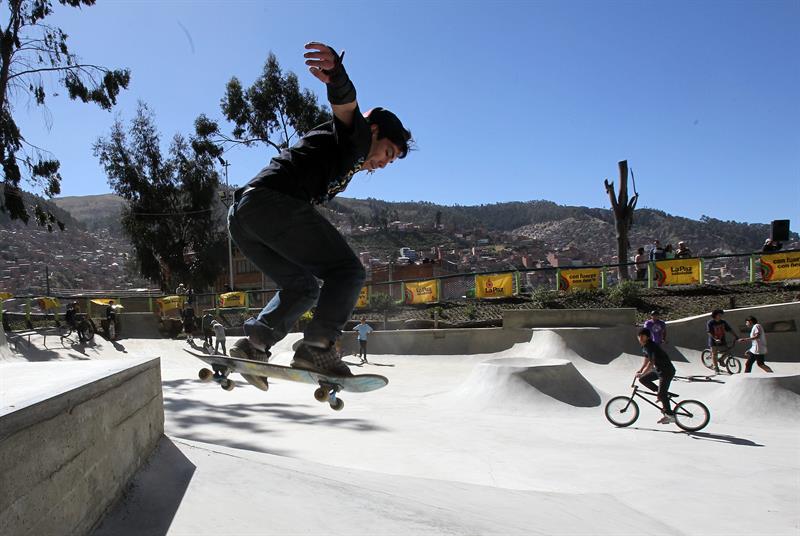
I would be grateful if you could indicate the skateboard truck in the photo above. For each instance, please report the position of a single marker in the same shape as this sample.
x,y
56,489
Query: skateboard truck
x,y
219,375
327,393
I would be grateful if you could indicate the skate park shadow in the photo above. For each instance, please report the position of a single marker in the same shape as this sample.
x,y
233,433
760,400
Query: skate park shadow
x,y
118,347
188,414
152,497
705,436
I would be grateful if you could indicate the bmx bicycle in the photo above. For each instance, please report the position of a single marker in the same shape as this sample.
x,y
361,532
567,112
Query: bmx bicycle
x,y
622,411
725,358
83,326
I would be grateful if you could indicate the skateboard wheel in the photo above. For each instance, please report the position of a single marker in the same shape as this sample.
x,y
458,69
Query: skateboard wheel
x,y
205,374
338,405
321,395
227,384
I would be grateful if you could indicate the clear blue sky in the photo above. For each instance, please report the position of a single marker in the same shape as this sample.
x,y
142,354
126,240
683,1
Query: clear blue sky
x,y
507,100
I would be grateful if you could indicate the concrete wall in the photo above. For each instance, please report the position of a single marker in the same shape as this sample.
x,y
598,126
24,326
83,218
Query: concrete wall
x,y
568,318
139,326
438,341
781,323
64,460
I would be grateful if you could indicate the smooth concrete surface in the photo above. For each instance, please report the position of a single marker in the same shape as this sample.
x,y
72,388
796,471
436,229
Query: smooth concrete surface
x,y
781,323
549,318
71,436
457,341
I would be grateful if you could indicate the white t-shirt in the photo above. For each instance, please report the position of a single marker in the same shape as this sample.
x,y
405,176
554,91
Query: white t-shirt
x,y
759,344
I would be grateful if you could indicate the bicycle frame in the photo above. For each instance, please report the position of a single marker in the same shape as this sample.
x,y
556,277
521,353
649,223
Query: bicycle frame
x,y
638,392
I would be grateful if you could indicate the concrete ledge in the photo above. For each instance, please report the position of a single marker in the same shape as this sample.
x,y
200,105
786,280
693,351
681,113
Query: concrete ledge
x,y
438,341
64,459
568,318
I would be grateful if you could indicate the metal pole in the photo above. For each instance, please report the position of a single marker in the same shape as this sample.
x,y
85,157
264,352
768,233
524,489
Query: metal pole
x,y
47,278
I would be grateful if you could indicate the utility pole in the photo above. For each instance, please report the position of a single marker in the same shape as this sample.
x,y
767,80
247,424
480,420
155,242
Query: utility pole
x,y
227,201
47,279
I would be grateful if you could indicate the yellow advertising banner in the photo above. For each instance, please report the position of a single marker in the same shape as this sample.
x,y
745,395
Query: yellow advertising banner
x,y
5,296
780,266
677,272
168,303
363,298
46,304
421,292
494,286
573,278
233,299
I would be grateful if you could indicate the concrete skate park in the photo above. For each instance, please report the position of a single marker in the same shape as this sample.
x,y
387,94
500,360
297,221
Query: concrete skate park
x,y
480,431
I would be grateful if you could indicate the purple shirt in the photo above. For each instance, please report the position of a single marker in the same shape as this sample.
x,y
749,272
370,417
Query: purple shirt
x,y
657,329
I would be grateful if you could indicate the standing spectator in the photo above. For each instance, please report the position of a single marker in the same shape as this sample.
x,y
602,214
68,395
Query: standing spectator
x,y
181,290
657,252
640,261
363,330
668,253
683,251
188,323
657,327
771,245
716,329
206,325
190,296
219,332
111,320
758,347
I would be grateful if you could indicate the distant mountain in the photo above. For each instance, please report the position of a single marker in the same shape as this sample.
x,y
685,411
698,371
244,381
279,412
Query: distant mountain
x,y
504,233
94,211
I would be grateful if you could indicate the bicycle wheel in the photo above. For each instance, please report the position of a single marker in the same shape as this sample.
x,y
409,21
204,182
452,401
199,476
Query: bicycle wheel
x,y
622,411
691,415
733,365
705,357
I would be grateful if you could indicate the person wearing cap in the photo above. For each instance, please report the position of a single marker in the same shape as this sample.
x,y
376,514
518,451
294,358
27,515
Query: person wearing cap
x,y
657,327
683,251
274,223
758,346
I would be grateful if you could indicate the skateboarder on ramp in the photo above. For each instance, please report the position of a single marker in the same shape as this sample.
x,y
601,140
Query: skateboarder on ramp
x,y
274,223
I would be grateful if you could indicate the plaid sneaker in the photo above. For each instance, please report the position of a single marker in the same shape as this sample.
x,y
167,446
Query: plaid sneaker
x,y
242,349
322,360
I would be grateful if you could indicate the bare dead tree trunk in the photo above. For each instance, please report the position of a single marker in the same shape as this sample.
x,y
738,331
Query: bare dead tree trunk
x,y
623,215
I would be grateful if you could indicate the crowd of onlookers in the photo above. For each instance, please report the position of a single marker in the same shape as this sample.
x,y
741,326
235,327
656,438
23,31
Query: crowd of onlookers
x,y
657,252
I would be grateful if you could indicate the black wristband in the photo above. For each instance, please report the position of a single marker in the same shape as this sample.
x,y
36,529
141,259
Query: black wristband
x,y
340,89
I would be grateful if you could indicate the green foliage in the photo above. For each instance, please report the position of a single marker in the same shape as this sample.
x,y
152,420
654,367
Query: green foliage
x,y
382,302
471,311
170,218
274,110
626,294
28,49
542,297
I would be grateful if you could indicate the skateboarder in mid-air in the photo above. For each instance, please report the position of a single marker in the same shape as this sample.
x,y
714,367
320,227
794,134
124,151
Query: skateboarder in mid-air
x,y
274,223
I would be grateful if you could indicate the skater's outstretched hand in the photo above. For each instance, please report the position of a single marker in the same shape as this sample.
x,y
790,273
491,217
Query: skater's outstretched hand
x,y
326,65
321,60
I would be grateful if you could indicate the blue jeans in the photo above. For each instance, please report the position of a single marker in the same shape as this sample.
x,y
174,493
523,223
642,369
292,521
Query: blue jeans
x,y
294,245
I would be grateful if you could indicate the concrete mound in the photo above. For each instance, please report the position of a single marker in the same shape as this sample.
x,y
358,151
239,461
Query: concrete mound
x,y
757,397
525,384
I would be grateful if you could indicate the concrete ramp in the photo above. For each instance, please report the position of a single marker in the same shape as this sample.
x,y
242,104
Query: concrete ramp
x,y
757,397
527,385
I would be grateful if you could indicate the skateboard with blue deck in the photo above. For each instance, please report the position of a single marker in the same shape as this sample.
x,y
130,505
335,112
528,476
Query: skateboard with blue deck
x,y
328,386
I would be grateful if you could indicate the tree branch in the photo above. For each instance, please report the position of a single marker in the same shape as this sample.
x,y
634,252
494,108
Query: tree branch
x,y
81,67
